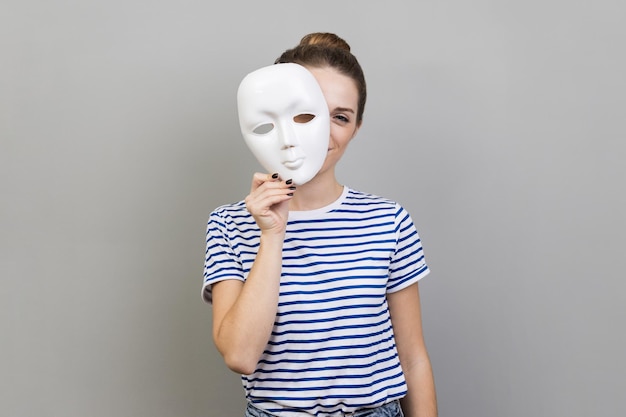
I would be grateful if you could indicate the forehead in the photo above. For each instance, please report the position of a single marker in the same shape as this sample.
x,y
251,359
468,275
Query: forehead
x,y
281,86
339,89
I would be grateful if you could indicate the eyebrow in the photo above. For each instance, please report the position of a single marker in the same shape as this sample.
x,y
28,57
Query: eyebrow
x,y
344,109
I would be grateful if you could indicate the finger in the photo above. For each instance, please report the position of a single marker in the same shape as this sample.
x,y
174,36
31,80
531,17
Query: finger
x,y
259,179
268,204
271,185
270,190
262,201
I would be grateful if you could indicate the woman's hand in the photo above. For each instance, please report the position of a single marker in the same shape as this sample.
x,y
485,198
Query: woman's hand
x,y
268,202
244,313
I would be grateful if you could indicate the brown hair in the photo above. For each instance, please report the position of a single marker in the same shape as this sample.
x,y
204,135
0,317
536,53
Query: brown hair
x,y
322,49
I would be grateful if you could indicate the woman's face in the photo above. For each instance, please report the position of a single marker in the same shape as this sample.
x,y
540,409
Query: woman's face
x,y
342,98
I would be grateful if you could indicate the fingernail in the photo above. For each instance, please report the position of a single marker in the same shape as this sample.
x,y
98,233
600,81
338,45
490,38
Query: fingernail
x,y
275,175
290,194
292,187
289,181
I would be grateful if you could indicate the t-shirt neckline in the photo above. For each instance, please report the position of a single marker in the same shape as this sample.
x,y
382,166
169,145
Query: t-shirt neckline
x,y
306,214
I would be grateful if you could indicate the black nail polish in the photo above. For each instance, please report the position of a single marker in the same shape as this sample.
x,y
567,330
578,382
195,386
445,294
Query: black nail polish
x,y
290,194
292,188
289,181
275,175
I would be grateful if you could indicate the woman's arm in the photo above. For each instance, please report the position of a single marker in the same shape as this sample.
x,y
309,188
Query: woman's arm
x,y
244,313
405,310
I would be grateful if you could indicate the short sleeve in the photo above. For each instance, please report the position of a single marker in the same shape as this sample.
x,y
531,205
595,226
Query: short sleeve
x,y
221,261
407,263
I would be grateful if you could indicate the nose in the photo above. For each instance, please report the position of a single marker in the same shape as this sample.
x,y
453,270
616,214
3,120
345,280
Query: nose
x,y
287,136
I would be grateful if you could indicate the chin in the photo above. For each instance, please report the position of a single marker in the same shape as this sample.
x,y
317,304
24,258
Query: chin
x,y
301,179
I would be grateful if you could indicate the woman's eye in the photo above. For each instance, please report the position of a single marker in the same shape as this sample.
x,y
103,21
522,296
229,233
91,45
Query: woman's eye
x,y
342,118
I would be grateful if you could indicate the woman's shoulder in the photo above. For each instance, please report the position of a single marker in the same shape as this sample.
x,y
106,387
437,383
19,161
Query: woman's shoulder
x,y
231,211
365,198
368,202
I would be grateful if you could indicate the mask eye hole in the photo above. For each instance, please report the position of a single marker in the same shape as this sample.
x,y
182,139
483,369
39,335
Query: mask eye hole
x,y
263,129
303,118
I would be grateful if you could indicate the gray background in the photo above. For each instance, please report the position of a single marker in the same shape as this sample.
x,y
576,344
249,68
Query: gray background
x,y
499,125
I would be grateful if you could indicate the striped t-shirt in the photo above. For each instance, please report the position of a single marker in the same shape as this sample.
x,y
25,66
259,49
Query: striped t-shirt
x,y
332,349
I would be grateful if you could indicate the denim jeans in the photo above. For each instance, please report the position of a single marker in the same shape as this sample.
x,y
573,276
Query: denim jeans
x,y
391,409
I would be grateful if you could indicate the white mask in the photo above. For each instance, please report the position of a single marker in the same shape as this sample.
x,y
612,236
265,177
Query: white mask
x,y
284,120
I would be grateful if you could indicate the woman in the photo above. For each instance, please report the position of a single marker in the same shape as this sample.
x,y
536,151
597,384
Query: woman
x,y
314,289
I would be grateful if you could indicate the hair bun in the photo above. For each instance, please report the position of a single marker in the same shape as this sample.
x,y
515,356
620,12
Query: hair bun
x,y
326,40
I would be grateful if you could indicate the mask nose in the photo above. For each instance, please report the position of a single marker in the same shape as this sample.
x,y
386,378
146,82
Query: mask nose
x,y
287,136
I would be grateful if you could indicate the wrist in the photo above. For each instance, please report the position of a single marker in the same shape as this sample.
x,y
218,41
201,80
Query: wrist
x,y
273,238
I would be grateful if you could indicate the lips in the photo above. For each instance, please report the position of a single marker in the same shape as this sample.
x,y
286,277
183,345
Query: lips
x,y
295,164
293,158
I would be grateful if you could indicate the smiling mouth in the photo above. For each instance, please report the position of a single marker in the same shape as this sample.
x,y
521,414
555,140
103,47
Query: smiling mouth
x,y
295,164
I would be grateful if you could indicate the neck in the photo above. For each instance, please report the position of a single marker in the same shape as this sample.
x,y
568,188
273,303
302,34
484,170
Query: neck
x,y
317,193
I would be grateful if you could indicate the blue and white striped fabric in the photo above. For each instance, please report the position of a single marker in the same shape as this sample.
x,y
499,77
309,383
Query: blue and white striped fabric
x,y
332,348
